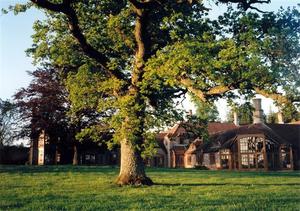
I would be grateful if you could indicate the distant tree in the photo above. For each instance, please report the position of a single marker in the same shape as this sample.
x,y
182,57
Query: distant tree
x,y
8,125
271,117
133,58
206,110
244,111
43,105
290,112
9,119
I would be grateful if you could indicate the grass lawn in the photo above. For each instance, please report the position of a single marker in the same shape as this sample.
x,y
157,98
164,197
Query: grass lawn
x,y
92,188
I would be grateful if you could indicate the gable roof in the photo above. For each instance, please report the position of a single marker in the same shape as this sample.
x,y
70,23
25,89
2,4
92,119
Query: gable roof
x,y
226,138
161,145
216,127
289,132
213,127
160,136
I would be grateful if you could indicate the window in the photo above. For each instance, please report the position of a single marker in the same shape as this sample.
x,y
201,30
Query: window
x,y
260,146
252,163
285,157
260,161
225,161
225,151
245,162
244,145
251,152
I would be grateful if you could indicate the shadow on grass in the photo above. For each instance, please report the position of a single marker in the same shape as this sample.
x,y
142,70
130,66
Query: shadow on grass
x,y
57,169
223,184
161,171
227,173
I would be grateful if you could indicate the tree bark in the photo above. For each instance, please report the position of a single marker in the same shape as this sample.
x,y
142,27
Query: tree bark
x,y
75,155
1,152
132,170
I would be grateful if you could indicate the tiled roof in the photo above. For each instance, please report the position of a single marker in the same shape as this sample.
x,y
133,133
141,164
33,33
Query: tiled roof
x,y
222,134
280,133
160,143
215,127
289,132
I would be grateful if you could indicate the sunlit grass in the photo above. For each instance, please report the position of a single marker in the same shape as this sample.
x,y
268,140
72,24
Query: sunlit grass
x,y
93,188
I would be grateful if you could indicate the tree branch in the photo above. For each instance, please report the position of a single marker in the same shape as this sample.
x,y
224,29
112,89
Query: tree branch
x,y
247,4
145,4
48,5
258,10
217,90
89,50
274,96
186,82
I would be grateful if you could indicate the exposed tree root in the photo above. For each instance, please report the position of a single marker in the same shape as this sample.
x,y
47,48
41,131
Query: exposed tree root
x,y
133,180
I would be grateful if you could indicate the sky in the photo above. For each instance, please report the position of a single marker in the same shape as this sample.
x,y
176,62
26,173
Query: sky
x,y
15,38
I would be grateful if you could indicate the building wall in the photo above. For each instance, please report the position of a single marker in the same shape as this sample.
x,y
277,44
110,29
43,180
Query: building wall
x,y
211,160
158,160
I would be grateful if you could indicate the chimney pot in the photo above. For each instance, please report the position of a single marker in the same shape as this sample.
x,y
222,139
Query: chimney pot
x,y
280,117
236,118
258,113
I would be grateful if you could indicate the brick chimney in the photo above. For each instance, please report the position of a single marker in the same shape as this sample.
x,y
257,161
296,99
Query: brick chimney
x,y
280,117
236,120
258,112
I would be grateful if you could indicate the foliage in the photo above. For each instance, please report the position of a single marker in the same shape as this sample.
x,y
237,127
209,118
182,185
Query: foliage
x,y
244,111
239,51
290,112
43,105
206,110
9,119
91,188
130,60
196,127
272,117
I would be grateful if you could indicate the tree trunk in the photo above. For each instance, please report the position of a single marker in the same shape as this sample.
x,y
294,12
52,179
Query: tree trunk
x,y
132,171
75,155
1,152
56,155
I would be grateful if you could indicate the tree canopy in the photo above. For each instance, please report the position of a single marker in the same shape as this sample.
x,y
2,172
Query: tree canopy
x,y
244,113
43,105
9,119
129,60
